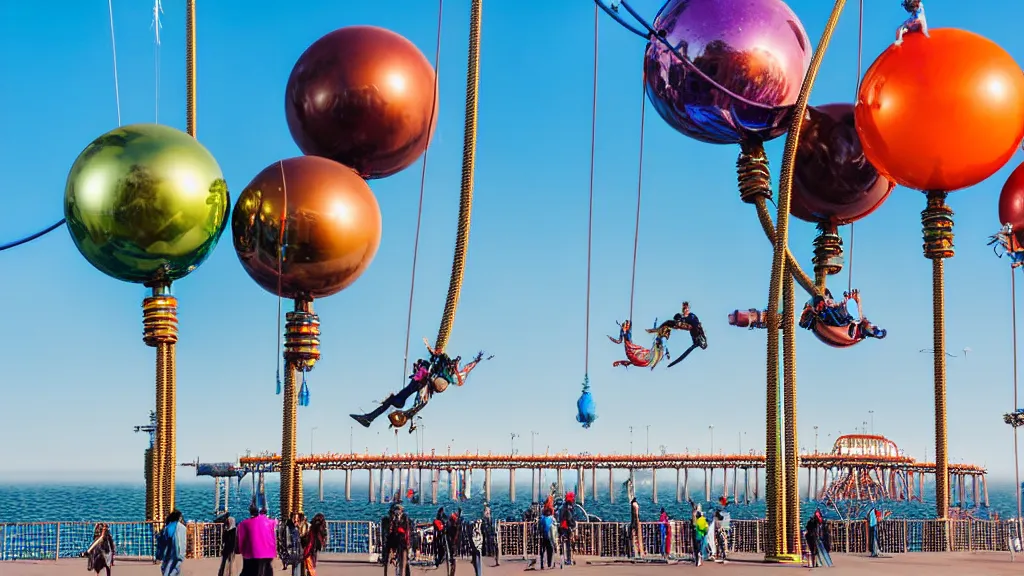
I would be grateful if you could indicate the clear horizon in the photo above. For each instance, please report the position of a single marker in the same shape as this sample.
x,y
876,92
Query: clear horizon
x,y
77,376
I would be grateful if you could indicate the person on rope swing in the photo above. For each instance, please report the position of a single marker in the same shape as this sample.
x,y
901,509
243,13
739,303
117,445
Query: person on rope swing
x,y
683,320
826,310
428,378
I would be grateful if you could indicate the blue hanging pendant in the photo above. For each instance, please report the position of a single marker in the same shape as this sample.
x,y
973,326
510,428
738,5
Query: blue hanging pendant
x,y
586,412
304,392
278,382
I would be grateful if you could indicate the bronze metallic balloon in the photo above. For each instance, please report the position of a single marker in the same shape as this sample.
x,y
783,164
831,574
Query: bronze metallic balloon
x,y
363,96
146,203
833,182
331,231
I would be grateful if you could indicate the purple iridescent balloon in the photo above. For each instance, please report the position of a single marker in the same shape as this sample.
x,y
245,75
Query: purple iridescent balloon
x,y
751,56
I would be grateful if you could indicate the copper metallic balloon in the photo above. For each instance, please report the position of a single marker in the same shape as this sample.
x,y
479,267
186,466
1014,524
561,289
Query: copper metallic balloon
x,y
755,49
332,227
363,96
833,182
145,203
1011,203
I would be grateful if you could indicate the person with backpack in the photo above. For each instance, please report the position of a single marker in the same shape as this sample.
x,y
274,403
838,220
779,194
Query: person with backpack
x,y
548,535
171,545
567,526
396,531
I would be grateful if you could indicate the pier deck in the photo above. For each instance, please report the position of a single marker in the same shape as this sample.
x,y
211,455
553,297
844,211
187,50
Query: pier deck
x,y
976,564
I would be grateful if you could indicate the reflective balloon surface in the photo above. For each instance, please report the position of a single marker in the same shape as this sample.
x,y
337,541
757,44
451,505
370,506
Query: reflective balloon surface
x,y
146,203
332,227
755,49
833,182
1011,203
363,96
941,113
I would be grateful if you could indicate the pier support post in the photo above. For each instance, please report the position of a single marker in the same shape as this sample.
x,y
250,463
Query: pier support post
x,y
435,476
561,487
631,487
216,494
581,486
467,483
348,485
373,493
725,482
679,486
534,494
383,487
707,483
419,484
611,485
320,485
453,484
654,485
593,482
686,483
512,485
757,484
746,485
487,484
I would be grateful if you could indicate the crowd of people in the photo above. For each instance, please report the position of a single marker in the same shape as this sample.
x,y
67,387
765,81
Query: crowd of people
x,y
297,543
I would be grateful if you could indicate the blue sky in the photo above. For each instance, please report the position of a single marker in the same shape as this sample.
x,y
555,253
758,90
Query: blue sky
x,y
77,376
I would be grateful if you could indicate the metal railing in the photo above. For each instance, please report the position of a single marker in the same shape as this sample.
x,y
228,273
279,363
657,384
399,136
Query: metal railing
x,y
511,540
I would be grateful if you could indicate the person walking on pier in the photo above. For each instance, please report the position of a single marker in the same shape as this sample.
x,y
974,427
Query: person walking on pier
x,y
476,546
874,516
171,545
636,537
315,541
567,526
546,531
229,541
440,543
257,542
452,533
100,555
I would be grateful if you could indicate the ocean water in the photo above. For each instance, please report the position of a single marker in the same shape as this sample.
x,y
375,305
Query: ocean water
x,y
31,502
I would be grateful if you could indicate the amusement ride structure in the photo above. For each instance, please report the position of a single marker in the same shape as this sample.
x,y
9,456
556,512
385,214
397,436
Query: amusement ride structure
x,y
361,104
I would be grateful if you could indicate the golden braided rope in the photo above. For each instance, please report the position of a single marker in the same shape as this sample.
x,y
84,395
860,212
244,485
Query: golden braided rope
x,y
778,540
288,441
190,67
805,281
939,346
468,168
792,454
167,350
159,441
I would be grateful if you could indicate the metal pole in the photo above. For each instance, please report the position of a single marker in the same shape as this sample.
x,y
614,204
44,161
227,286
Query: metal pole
x,y
711,428
815,439
630,440
648,450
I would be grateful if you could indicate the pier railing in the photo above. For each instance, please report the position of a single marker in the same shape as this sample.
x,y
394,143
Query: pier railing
x,y
519,540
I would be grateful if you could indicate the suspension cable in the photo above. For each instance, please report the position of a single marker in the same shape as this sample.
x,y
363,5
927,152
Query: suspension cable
x,y
117,104
639,188
423,184
856,94
279,355
590,215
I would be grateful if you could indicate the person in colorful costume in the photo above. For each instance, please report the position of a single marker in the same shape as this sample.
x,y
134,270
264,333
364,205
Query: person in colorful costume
x,y
916,22
428,377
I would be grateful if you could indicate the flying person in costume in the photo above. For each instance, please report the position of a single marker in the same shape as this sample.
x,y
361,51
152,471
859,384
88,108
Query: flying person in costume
x,y
1004,242
428,378
916,22
825,310
688,321
637,355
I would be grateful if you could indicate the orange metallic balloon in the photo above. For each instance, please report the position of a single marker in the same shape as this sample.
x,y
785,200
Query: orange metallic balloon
x,y
331,234
942,112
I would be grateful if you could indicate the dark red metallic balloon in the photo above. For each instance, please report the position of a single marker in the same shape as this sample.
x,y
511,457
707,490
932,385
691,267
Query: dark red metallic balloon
x,y
365,97
833,182
331,234
1011,203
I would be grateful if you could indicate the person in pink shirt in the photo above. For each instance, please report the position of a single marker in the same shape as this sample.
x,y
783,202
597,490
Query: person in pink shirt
x,y
257,542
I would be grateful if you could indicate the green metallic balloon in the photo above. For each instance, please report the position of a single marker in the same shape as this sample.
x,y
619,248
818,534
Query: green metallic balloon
x,y
146,203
